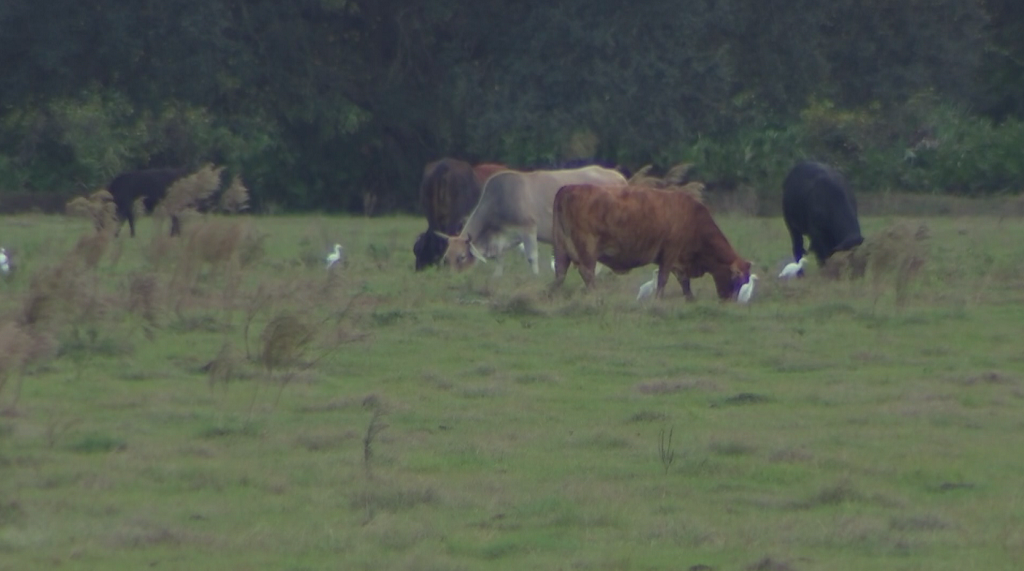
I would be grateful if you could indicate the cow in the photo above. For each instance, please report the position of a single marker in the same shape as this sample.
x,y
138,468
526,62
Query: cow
x,y
149,184
629,227
515,207
448,192
817,201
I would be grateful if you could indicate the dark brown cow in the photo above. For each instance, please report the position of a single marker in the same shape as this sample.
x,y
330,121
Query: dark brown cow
x,y
448,193
628,227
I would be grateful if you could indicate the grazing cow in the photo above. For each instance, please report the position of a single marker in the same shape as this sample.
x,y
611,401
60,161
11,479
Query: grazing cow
x,y
628,227
449,191
149,184
817,201
515,207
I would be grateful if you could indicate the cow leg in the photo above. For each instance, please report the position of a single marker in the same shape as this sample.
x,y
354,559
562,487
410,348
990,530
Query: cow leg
x,y
817,245
684,282
798,244
529,240
175,226
562,262
663,272
586,272
131,223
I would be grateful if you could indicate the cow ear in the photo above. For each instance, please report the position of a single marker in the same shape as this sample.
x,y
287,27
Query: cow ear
x,y
476,253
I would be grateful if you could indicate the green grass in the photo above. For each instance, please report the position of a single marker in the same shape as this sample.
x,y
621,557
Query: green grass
x,y
469,422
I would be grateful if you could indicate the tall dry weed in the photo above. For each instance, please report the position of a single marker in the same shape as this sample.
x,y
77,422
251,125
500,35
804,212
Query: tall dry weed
x,y
677,176
51,291
98,207
144,297
224,367
189,191
20,346
235,198
90,248
892,257
213,244
15,348
283,341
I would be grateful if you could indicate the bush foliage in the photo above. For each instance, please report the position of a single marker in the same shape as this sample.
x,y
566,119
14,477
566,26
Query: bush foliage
x,y
323,104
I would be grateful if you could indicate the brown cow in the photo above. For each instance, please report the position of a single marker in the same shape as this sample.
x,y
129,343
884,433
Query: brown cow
x,y
448,193
628,227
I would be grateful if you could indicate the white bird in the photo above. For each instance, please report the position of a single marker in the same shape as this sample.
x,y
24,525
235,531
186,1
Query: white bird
x,y
5,263
793,269
552,262
334,256
647,289
747,290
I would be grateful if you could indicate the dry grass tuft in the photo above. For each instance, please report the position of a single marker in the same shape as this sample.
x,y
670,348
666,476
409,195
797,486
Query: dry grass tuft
x,y
15,350
224,367
143,297
98,207
236,198
895,254
160,248
677,176
50,291
283,341
215,241
91,247
188,192
676,180
253,248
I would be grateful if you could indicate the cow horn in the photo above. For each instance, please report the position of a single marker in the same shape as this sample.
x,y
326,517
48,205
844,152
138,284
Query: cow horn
x,y
476,253
442,234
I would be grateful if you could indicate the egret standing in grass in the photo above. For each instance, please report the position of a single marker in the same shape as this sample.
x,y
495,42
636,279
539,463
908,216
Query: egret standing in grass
x,y
647,289
334,256
5,263
793,269
747,290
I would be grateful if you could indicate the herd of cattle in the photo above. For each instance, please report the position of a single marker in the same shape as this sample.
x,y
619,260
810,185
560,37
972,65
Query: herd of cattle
x,y
590,215
593,215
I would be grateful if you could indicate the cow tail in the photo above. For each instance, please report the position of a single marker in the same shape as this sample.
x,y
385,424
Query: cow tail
x,y
560,231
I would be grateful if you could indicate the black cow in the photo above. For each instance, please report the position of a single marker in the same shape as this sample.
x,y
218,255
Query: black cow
x,y
149,184
817,201
429,249
448,193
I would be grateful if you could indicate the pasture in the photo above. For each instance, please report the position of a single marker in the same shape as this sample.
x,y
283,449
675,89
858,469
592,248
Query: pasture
x,y
438,421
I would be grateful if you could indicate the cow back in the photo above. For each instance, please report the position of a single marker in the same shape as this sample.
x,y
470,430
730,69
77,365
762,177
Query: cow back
x,y
524,199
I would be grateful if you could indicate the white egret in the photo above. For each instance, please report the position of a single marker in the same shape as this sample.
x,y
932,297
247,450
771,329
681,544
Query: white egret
x,y
793,269
747,290
5,263
334,256
647,289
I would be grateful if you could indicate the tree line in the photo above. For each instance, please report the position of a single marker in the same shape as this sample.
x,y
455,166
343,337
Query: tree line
x,y
338,104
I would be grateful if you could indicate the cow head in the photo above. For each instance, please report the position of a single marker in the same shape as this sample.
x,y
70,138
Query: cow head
x,y
429,249
461,252
729,279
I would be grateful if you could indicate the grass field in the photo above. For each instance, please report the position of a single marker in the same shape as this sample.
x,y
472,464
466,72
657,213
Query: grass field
x,y
393,420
